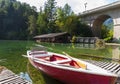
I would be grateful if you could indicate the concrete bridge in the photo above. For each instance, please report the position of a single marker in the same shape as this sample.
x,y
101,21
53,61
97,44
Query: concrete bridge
x,y
96,17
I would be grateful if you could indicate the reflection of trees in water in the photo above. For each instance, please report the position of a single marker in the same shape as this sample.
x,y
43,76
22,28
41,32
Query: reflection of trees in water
x,y
39,77
86,51
82,45
25,76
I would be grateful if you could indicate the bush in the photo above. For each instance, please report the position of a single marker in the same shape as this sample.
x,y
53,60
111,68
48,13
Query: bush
x,y
73,39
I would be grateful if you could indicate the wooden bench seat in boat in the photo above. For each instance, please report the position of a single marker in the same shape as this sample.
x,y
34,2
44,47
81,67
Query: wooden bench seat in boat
x,y
70,62
61,61
42,55
38,52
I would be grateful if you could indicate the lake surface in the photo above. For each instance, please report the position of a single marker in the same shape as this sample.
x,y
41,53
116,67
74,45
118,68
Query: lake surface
x,y
11,57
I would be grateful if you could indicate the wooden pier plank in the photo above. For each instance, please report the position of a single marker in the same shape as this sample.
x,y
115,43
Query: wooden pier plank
x,y
11,79
8,77
101,64
115,68
17,81
106,64
112,66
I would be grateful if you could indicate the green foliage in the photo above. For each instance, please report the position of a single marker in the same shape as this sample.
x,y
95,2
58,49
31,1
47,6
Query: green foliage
x,y
50,10
52,19
21,21
100,43
42,23
14,19
67,10
74,26
73,39
46,18
106,34
32,25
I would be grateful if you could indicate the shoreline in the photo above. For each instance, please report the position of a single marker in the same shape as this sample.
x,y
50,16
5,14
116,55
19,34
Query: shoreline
x,y
113,44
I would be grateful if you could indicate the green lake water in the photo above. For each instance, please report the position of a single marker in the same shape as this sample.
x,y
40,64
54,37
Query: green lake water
x,y
11,57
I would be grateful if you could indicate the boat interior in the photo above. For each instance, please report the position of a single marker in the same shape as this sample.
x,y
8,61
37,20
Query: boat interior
x,y
58,59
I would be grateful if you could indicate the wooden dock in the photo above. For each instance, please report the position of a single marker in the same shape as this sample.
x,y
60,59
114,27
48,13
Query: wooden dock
x,y
8,77
109,66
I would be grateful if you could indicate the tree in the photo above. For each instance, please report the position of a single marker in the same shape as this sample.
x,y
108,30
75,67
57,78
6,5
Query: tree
x,y
42,23
46,18
32,25
50,14
67,10
50,10
64,16
106,33
71,23
14,18
19,20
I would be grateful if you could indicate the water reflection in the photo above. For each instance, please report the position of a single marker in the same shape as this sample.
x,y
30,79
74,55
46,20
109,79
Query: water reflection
x,y
25,76
89,46
86,51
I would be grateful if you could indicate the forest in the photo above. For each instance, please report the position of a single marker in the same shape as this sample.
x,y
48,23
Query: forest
x,y
20,21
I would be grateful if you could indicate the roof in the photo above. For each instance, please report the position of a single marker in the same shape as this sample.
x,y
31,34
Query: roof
x,y
50,35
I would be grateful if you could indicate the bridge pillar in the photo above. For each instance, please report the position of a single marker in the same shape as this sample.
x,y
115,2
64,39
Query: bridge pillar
x,y
116,34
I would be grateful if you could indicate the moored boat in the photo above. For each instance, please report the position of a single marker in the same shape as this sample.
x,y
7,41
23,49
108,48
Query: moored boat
x,y
69,70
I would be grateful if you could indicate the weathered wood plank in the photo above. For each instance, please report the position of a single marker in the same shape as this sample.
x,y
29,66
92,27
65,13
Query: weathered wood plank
x,y
111,66
107,64
115,68
8,77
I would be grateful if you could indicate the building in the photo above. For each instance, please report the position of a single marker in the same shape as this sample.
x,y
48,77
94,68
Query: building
x,y
53,37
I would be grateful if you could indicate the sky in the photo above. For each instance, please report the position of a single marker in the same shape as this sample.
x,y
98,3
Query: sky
x,y
78,6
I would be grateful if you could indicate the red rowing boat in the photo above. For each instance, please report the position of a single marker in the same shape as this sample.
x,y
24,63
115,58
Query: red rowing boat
x,y
69,70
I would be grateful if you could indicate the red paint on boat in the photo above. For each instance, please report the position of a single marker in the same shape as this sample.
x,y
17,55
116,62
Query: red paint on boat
x,y
72,77
56,58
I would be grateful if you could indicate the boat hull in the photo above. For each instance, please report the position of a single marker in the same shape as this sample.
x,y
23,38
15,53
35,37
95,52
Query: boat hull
x,y
73,77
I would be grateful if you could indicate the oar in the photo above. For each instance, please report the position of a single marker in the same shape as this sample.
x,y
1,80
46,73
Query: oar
x,y
82,65
67,55
26,56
